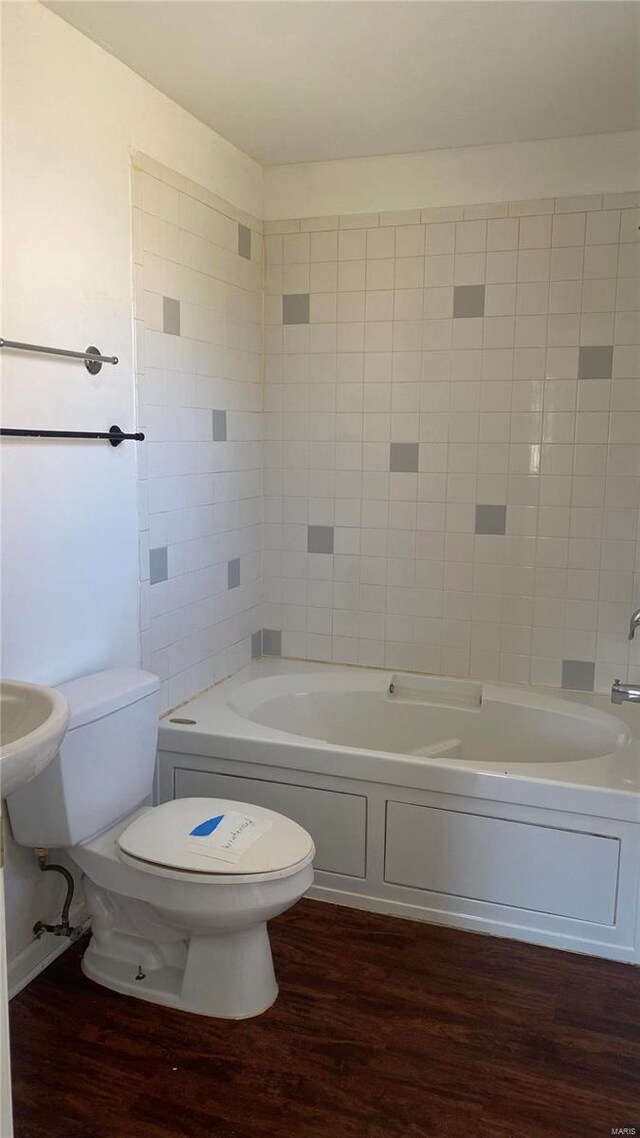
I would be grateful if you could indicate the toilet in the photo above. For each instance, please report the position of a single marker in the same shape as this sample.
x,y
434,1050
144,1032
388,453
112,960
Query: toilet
x,y
179,894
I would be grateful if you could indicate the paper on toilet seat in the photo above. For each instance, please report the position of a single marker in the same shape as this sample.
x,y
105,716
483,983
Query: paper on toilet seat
x,y
228,836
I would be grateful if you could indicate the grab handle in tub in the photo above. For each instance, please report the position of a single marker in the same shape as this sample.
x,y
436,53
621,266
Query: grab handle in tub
x,y
436,690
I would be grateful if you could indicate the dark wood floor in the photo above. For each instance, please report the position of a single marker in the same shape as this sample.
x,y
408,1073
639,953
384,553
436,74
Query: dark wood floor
x,y
384,1028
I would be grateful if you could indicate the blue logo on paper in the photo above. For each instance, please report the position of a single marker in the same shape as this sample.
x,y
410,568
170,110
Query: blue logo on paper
x,y
206,828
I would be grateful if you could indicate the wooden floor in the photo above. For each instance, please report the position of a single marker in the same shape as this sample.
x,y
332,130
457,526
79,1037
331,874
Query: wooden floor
x,y
384,1028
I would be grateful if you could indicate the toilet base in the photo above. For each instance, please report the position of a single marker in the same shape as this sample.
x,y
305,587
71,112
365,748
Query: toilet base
x,y
227,976
227,973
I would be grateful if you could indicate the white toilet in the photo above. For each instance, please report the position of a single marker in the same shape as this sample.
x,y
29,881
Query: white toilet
x,y
171,924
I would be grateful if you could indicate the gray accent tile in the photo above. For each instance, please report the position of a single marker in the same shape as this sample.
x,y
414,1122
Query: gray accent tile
x,y
244,241
158,565
403,457
595,362
233,573
579,675
295,308
171,316
491,519
271,642
468,300
319,539
219,426
256,644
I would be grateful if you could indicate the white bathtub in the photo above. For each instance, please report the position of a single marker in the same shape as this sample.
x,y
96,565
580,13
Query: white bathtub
x,y
431,718
501,809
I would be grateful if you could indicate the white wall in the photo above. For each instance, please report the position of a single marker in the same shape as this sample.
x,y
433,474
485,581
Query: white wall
x,y
72,115
556,167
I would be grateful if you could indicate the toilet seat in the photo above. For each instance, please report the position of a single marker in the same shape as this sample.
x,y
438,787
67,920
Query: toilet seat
x,y
160,841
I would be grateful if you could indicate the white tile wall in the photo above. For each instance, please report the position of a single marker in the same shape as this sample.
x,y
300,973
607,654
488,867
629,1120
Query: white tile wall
x,y
200,499
510,408
514,408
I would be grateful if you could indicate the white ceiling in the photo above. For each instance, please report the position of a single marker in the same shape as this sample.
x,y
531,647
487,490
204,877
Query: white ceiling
x,y
292,81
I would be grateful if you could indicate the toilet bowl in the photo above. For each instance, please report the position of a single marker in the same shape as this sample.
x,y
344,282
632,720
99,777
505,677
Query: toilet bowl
x,y
182,935
179,894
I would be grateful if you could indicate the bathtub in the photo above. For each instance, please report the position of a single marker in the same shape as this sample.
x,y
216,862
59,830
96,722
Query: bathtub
x,y
499,809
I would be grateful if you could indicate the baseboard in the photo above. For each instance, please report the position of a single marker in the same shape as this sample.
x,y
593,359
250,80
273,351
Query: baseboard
x,y
38,955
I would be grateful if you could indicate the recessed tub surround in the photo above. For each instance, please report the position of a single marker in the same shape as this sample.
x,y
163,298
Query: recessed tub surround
x,y
455,391
485,806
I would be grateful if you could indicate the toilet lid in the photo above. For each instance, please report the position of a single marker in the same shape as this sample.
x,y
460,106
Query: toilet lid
x,y
213,836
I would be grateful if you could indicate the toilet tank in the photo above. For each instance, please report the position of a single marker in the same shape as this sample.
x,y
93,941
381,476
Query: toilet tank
x,y
104,767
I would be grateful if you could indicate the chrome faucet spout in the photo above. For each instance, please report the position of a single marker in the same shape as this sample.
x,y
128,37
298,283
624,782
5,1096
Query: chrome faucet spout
x,y
634,623
624,693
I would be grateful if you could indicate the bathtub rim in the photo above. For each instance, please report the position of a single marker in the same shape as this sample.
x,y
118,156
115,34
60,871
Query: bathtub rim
x,y
603,786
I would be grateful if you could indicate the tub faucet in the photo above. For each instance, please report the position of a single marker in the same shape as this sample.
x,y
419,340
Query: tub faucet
x,y
624,693
634,623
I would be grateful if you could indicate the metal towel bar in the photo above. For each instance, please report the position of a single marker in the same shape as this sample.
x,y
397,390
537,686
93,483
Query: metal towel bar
x,y
93,360
114,435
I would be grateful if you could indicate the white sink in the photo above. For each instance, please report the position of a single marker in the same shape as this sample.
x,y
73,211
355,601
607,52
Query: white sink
x,y
33,723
